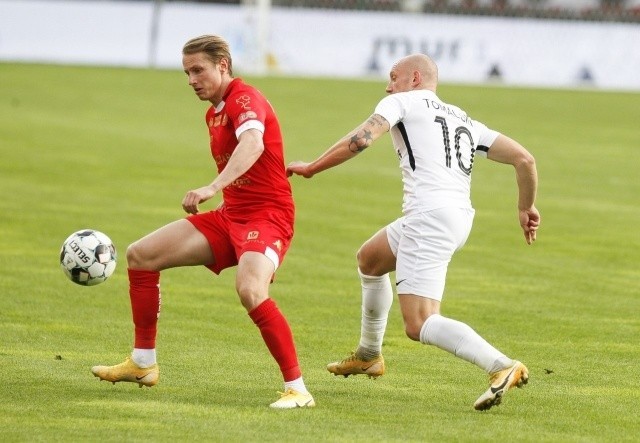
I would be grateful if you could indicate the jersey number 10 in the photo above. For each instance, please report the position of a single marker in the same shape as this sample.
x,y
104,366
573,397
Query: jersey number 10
x,y
460,130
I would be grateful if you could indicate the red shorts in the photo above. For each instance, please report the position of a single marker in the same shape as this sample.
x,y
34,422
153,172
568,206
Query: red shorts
x,y
268,233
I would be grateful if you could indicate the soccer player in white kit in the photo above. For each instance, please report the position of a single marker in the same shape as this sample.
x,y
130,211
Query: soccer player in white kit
x,y
437,144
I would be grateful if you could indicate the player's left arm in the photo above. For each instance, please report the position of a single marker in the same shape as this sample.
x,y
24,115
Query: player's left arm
x,y
509,151
344,149
249,148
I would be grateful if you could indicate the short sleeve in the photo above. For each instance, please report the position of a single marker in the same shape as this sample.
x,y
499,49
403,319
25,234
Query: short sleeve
x,y
486,137
392,108
247,111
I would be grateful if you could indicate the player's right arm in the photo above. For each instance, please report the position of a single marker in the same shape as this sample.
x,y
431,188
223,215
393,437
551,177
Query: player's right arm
x,y
509,151
344,149
246,153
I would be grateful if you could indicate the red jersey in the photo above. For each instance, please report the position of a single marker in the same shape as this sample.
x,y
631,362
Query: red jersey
x,y
264,187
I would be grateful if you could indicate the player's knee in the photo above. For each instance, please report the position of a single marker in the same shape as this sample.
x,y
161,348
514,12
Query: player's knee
x,y
375,260
249,293
134,256
138,257
365,262
412,331
413,326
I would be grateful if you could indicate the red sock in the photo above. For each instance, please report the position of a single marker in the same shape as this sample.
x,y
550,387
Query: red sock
x,y
278,337
144,292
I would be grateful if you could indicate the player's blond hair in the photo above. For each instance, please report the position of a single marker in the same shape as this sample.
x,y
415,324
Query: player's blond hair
x,y
216,48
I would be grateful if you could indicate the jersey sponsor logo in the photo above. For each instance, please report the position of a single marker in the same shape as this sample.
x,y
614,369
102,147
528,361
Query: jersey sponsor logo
x,y
239,182
220,120
244,101
222,159
252,235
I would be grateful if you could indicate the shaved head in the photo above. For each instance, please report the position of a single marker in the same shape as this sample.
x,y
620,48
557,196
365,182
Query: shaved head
x,y
424,65
415,71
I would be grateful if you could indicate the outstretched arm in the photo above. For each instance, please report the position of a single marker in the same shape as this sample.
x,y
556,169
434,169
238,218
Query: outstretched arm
x,y
344,149
507,150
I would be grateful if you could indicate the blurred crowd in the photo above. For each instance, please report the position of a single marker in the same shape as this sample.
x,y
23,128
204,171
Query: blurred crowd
x,y
595,10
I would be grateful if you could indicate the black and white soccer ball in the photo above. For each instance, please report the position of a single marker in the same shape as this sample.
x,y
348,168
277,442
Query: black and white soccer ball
x,y
88,257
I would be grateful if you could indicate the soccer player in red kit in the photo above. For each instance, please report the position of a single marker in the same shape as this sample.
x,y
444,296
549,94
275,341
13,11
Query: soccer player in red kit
x,y
252,228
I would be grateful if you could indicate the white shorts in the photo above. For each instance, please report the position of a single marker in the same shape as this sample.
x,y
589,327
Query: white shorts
x,y
423,245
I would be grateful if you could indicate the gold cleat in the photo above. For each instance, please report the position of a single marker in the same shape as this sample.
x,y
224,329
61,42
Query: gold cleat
x,y
291,399
128,371
352,365
515,376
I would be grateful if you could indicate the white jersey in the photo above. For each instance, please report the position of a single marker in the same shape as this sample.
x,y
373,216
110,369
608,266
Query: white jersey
x,y
437,144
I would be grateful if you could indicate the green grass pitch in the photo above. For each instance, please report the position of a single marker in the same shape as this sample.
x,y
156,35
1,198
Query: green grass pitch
x,y
116,149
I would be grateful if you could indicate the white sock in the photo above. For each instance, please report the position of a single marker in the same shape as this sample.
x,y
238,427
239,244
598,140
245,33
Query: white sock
x,y
462,341
377,297
144,358
296,385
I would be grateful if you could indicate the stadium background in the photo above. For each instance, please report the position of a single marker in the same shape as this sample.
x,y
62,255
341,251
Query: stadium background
x,y
549,43
114,148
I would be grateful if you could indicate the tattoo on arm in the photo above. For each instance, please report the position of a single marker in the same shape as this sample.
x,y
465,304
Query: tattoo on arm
x,y
360,141
375,120
363,138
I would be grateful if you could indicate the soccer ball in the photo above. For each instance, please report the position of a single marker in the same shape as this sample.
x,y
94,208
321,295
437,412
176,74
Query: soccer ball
x,y
88,257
